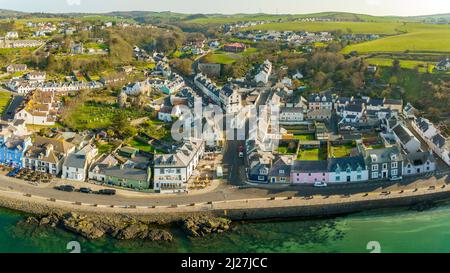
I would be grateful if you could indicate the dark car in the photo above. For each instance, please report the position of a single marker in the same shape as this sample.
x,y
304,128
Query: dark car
x,y
107,192
85,190
67,188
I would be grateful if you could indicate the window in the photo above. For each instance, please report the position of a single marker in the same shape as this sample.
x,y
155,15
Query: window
x,y
385,166
394,165
375,175
394,172
261,178
375,167
281,171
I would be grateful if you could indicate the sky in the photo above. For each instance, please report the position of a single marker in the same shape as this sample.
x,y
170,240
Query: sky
x,y
373,7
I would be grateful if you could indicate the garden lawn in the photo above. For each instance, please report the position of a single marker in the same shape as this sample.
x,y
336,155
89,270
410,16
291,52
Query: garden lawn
x,y
312,154
306,137
341,151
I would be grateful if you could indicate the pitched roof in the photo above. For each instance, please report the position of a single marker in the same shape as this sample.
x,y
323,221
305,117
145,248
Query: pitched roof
x,y
310,166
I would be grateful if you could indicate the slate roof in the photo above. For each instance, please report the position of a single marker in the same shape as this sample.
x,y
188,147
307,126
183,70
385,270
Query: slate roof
x,y
282,164
75,161
310,166
403,134
439,140
419,158
344,163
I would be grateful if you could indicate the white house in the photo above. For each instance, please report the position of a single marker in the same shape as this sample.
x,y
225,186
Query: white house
x,y
441,146
172,171
47,155
404,136
36,76
12,35
418,163
264,72
347,169
424,128
291,115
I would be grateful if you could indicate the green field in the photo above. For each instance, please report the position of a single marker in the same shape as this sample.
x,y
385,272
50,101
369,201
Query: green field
x,y
424,41
5,98
312,154
407,64
387,28
95,115
222,57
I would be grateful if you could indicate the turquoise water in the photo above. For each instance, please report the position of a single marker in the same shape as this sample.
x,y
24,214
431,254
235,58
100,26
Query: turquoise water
x,y
399,230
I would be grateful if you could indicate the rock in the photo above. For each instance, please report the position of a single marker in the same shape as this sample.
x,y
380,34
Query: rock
x,y
133,231
198,226
32,220
160,235
82,226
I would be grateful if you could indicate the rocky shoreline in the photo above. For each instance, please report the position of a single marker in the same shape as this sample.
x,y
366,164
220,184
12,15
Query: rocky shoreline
x,y
128,228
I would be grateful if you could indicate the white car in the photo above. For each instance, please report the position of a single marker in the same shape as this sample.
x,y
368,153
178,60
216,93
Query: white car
x,y
320,184
241,154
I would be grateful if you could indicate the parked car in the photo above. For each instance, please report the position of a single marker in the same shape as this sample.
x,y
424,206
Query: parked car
x,y
395,178
85,190
68,188
107,192
320,184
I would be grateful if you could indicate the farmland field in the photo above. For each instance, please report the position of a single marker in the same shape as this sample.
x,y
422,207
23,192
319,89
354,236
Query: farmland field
x,y
346,27
425,41
408,64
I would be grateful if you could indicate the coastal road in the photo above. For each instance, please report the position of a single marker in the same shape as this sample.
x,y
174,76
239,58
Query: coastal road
x,y
223,192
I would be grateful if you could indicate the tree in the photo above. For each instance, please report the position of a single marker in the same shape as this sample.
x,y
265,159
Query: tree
x,y
184,66
396,66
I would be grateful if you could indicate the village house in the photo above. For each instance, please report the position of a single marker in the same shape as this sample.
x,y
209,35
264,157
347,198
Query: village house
x,y
76,165
36,76
280,172
13,68
419,163
309,171
443,65
383,163
320,102
404,136
260,163
347,169
441,146
394,105
12,149
39,108
172,171
234,47
47,155
264,72
12,35
291,115
227,97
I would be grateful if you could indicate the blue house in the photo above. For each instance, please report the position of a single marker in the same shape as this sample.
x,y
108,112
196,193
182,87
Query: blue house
x,y
12,150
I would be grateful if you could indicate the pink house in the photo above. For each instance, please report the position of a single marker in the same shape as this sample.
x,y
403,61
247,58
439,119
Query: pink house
x,y
310,171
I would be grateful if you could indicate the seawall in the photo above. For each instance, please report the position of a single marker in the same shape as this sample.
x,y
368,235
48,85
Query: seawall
x,y
237,210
